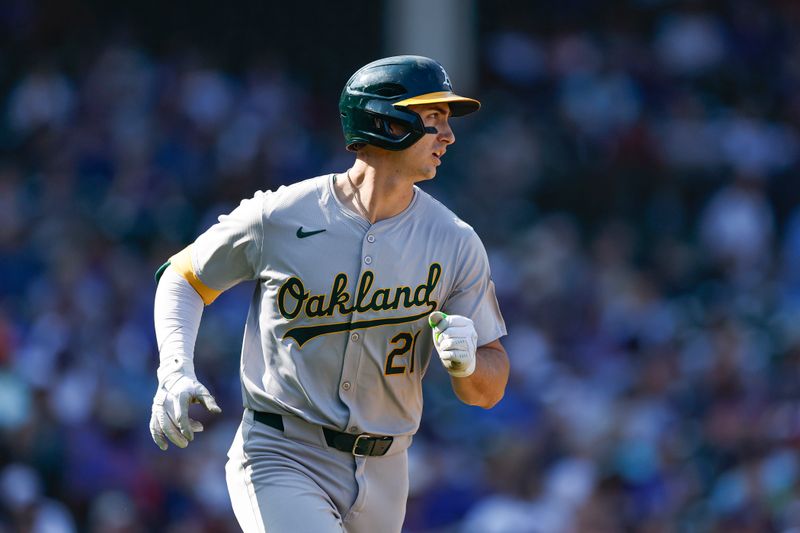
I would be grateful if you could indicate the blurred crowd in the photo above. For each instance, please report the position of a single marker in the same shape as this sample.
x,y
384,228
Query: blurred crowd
x,y
633,178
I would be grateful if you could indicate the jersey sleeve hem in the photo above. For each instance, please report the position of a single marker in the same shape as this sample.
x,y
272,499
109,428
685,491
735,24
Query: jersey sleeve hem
x,y
499,333
182,263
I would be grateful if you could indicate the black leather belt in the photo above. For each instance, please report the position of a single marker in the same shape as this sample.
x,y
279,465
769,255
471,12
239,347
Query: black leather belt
x,y
359,445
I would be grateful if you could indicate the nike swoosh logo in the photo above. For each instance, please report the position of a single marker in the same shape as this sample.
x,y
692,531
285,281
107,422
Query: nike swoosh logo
x,y
303,234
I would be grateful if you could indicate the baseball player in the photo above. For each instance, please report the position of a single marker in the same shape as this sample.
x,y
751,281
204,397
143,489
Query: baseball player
x,y
358,276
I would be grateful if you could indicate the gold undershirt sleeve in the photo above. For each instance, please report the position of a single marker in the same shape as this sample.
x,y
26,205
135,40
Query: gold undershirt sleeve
x,y
182,263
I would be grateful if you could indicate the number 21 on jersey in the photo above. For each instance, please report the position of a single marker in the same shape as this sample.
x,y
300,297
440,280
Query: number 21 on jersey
x,y
401,358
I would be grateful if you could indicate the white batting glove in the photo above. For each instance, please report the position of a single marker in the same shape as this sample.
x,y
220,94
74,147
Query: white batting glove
x,y
177,388
456,342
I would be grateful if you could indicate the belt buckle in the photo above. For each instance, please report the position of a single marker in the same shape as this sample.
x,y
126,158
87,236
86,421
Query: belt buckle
x,y
355,445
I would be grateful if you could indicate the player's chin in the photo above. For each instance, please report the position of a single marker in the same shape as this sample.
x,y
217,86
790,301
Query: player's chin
x,y
429,173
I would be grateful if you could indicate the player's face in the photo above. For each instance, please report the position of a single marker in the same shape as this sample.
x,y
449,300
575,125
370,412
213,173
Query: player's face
x,y
425,155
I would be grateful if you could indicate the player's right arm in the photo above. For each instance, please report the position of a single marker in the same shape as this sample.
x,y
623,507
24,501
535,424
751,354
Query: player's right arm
x,y
176,314
224,255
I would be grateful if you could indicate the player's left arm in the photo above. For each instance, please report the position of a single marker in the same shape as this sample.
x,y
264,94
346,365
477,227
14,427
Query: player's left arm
x,y
487,384
466,336
478,374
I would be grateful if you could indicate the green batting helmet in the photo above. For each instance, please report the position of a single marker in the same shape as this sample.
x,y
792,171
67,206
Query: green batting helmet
x,y
379,94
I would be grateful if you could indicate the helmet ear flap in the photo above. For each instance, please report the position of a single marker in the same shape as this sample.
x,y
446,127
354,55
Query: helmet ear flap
x,y
382,125
390,128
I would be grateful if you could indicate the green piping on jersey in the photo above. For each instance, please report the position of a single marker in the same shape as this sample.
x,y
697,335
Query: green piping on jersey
x,y
304,334
160,271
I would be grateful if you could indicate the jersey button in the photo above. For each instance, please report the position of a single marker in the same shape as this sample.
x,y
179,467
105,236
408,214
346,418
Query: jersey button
x,y
346,385
368,260
354,337
370,238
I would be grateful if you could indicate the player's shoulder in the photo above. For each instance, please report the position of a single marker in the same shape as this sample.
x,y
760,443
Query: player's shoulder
x,y
441,218
453,235
296,194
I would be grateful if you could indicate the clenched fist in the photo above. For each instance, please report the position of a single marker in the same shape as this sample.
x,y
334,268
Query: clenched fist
x,y
456,342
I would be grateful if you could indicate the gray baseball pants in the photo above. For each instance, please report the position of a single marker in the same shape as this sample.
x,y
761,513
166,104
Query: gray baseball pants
x,y
293,482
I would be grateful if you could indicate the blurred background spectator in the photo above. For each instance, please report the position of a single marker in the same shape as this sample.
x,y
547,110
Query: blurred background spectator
x,y
633,174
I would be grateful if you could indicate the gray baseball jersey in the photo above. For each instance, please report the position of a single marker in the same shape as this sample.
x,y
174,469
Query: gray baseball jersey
x,y
337,330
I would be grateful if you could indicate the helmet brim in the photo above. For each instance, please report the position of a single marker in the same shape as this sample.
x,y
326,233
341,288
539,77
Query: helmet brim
x,y
459,105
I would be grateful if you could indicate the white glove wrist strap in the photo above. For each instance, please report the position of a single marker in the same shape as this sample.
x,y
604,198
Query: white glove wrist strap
x,y
466,372
180,365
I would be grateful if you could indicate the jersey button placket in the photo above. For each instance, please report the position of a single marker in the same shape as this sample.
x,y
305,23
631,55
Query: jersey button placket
x,y
354,350
370,239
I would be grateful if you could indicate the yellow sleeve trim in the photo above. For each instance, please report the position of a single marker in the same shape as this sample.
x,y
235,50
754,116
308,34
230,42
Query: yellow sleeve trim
x,y
182,263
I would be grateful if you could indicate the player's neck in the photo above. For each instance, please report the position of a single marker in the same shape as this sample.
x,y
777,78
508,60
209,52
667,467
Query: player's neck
x,y
375,193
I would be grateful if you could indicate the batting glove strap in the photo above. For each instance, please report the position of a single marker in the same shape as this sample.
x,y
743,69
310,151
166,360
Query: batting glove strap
x,y
178,364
